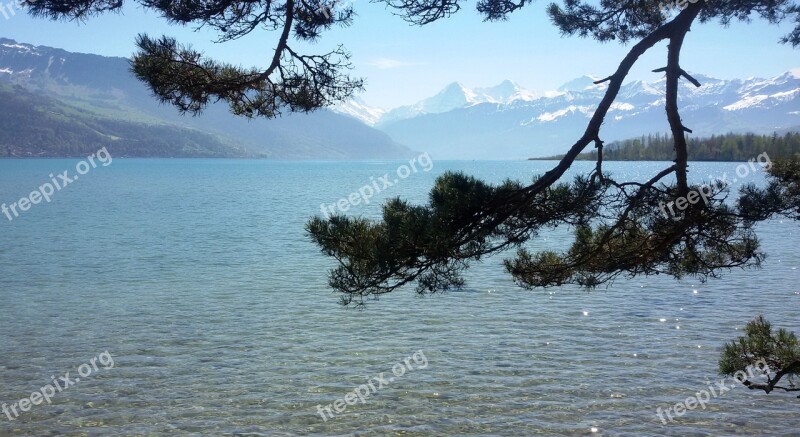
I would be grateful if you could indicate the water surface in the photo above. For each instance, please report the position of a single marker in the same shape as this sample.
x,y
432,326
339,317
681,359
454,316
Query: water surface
x,y
198,278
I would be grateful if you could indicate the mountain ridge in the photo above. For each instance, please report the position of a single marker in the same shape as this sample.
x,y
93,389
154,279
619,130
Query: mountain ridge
x,y
467,126
105,87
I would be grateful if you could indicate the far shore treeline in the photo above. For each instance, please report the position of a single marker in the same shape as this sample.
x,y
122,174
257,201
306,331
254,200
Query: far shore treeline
x,y
727,147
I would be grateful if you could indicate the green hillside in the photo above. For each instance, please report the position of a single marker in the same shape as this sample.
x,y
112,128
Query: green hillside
x,y
35,125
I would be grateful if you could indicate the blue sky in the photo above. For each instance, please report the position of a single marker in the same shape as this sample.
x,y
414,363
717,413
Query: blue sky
x,y
403,64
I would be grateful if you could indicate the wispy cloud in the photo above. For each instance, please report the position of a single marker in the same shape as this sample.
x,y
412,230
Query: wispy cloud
x,y
388,63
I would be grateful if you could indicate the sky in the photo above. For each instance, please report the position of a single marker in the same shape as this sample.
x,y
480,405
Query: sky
x,y
403,64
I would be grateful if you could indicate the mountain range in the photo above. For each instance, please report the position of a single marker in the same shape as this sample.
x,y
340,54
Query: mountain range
x,y
74,102
58,103
507,121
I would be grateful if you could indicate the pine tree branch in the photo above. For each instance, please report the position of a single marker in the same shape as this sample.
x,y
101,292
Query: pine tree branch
x,y
772,382
282,43
674,72
678,26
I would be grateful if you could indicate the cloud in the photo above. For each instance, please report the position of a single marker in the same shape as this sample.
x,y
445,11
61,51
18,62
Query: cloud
x,y
387,63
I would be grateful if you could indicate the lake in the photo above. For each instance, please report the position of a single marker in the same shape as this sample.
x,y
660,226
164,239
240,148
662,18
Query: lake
x,y
197,277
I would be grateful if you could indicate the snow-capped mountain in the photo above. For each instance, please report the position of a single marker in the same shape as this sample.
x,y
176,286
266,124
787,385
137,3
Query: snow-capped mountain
x,y
453,96
506,92
456,96
583,83
508,122
359,109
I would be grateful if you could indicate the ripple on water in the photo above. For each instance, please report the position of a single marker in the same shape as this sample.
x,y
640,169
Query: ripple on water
x,y
215,308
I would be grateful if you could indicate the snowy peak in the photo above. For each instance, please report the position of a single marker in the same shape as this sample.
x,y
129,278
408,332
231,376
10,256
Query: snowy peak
x,y
501,91
509,122
451,97
26,63
506,92
580,84
767,93
9,44
580,96
456,96
360,110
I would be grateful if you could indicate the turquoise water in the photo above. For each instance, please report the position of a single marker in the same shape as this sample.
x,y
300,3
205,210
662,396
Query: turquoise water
x,y
197,278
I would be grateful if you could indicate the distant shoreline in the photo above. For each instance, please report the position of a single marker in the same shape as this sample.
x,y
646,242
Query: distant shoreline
x,y
629,160
730,147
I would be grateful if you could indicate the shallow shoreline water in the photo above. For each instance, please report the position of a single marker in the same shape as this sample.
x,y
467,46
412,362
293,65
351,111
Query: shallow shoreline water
x,y
198,278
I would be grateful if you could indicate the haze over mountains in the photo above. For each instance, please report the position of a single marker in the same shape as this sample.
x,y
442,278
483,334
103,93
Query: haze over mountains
x,y
507,121
74,102
57,103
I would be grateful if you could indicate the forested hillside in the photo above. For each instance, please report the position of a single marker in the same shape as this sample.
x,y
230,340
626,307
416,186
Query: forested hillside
x,y
35,125
73,101
727,147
